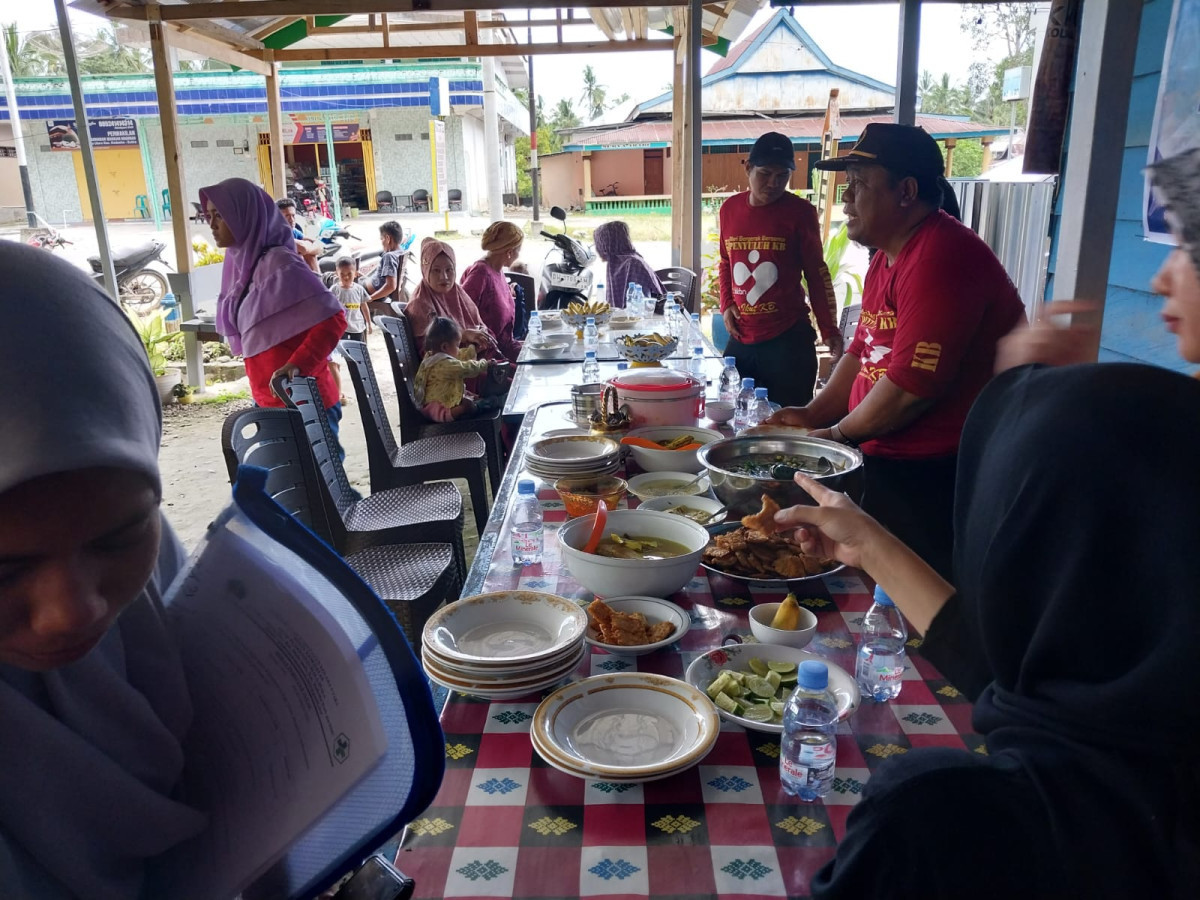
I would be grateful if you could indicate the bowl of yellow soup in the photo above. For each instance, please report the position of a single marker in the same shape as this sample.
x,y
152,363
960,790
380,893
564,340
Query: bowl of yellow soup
x,y
649,485
652,554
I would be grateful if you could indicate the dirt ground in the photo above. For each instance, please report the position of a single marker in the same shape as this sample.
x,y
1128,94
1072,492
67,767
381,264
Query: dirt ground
x,y
195,482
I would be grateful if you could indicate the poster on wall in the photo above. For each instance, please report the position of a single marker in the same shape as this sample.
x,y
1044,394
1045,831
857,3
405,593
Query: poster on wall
x,y
437,150
1177,115
116,132
295,131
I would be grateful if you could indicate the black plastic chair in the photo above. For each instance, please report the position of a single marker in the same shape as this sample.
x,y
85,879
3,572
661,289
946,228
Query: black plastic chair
x,y
412,579
849,322
402,350
529,286
384,201
418,512
683,280
454,198
427,459
420,200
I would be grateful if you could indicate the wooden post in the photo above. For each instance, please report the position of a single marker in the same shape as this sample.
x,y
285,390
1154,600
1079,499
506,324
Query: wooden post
x,y
951,143
168,116
275,119
587,178
987,152
693,123
679,152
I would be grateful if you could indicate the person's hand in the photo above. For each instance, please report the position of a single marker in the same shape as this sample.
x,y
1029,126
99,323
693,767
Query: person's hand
x,y
794,416
732,323
834,342
825,434
475,336
836,528
288,370
1047,343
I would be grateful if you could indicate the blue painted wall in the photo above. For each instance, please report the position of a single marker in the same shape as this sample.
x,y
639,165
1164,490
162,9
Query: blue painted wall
x,y
1132,328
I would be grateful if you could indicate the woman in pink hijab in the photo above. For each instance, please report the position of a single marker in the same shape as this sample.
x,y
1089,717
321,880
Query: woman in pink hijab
x,y
273,309
439,294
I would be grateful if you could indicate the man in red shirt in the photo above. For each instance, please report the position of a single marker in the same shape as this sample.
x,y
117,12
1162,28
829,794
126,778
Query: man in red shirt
x,y
935,303
769,239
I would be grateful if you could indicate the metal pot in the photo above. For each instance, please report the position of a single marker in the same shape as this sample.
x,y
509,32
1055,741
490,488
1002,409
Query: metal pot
x,y
585,399
742,493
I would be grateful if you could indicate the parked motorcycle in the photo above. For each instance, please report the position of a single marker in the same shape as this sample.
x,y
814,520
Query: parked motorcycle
x,y
566,277
141,289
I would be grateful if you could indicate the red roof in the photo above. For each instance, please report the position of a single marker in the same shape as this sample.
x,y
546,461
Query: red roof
x,y
804,129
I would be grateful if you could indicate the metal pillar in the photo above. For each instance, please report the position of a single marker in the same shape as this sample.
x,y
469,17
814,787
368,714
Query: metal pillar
x,y
678,139
1099,115
14,119
906,62
533,138
694,115
335,194
85,147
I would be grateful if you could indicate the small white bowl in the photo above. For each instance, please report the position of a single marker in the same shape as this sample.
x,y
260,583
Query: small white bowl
x,y
670,460
720,411
695,501
655,611
760,626
642,486
608,577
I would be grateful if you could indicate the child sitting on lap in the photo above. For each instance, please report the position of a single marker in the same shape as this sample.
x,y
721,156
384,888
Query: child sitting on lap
x,y
440,385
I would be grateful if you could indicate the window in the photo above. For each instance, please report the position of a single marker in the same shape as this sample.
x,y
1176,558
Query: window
x,y
404,137
199,144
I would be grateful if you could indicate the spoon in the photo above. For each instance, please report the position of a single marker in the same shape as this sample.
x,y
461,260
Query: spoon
x,y
715,513
687,484
593,540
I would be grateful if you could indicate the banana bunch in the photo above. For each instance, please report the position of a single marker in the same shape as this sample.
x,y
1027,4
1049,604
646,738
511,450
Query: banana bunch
x,y
593,308
647,340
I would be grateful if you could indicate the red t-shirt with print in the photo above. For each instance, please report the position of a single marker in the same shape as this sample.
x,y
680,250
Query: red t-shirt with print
x,y
930,322
764,252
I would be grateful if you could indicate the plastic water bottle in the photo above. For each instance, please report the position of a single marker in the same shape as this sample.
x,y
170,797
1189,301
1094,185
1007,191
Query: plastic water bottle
x,y
808,752
696,336
741,408
591,367
761,410
599,291
881,653
526,529
731,381
642,300
696,363
534,328
633,298
591,335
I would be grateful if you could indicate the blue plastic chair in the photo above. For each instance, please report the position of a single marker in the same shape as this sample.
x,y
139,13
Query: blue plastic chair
x,y
166,202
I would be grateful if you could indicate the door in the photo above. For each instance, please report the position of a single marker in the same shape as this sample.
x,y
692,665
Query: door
x,y
652,164
119,172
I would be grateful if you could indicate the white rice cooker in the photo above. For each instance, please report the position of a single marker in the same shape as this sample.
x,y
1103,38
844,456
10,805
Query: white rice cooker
x,y
660,397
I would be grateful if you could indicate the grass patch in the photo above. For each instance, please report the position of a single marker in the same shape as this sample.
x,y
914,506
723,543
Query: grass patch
x,y
212,398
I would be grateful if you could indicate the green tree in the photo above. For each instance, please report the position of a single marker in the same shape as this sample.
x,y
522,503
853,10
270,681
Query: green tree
x,y
595,96
989,24
107,53
968,159
943,98
564,116
38,53
548,142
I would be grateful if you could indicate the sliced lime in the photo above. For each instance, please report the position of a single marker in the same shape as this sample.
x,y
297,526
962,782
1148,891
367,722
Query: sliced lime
x,y
758,714
758,667
733,689
727,703
737,676
777,707
789,679
781,666
775,680
719,684
760,687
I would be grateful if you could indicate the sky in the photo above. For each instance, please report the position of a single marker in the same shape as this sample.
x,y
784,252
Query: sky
x,y
840,31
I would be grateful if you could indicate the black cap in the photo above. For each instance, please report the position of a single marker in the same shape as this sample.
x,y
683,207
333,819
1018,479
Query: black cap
x,y
901,149
773,149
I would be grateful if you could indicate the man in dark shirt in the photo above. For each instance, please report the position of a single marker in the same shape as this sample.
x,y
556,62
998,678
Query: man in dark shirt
x,y
384,283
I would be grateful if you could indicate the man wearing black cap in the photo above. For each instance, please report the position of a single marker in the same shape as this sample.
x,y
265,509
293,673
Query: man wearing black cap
x,y
935,303
769,239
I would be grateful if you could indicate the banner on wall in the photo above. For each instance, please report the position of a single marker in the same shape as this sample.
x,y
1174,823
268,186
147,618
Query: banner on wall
x,y
1177,115
115,132
437,162
297,132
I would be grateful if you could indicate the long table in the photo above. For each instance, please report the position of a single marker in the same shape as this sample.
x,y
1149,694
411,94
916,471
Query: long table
x,y
506,824
606,348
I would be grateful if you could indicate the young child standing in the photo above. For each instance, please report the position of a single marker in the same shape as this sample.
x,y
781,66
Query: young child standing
x,y
440,385
353,298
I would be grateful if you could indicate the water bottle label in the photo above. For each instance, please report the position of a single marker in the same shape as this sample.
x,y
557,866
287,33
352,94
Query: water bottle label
x,y
527,543
811,766
884,668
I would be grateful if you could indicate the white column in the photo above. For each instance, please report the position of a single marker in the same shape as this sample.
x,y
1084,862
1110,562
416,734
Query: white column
x,y
491,133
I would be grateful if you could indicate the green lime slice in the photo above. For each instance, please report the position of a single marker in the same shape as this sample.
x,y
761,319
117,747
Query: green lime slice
x,y
758,667
777,707
781,666
760,687
737,676
775,680
789,679
719,684
758,714
727,703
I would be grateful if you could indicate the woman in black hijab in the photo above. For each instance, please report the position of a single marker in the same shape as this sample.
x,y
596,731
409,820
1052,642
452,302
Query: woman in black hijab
x,y
1075,528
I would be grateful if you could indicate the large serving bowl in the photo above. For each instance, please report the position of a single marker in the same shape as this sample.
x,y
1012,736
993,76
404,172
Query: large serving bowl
x,y
627,347
608,577
550,346
742,493
581,494
670,460
578,320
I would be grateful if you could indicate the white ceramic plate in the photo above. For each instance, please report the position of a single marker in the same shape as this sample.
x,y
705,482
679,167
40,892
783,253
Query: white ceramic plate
x,y
506,693
639,484
498,669
626,725
706,667
655,611
555,763
572,449
515,626
526,681
694,501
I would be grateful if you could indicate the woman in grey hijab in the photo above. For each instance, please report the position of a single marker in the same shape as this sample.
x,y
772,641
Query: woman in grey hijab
x,y
93,703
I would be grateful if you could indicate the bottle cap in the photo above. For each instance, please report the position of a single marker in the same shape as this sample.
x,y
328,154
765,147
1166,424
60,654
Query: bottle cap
x,y
622,365
591,320
730,362
589,354
813,676
882,598
695,317
526,486
760,393
747,384
698,351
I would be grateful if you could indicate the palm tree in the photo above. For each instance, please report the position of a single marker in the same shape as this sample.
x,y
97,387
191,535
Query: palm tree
x,y
564,116
594,94
39,53
107,53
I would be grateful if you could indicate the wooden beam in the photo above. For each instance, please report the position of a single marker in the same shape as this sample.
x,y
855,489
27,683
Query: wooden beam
x,y
231,36
275,120
196,42
268,30
453,51
387,35
471,28
276,8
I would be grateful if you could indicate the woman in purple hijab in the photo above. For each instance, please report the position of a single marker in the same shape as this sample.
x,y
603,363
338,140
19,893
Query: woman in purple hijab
x,y
625,265
273,310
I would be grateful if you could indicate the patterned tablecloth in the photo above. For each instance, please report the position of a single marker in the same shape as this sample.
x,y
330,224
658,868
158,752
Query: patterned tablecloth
x,y
506,824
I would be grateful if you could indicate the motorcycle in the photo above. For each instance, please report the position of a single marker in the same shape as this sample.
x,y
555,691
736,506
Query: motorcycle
x,y
140,288
566,277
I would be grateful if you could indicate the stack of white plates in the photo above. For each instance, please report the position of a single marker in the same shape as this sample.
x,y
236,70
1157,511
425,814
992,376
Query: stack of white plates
x,y
505,644
552,458
627,727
